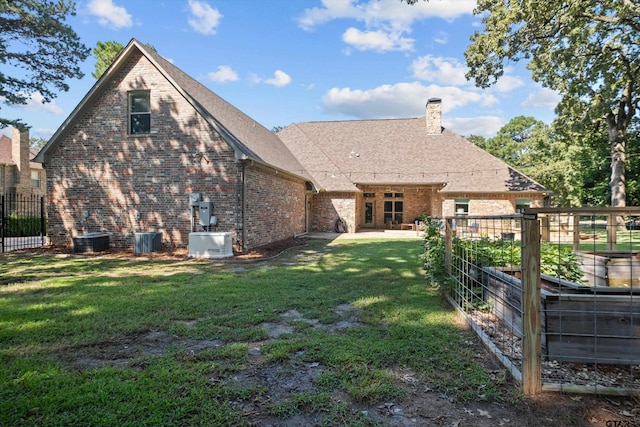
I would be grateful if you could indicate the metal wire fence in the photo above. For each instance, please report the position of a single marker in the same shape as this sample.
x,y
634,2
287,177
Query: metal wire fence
x,y
554,293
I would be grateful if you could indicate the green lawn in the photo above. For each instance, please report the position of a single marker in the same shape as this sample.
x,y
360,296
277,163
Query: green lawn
x,y
75,334
627,240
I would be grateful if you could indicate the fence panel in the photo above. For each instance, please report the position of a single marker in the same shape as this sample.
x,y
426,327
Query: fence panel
x,y
589,295
22,221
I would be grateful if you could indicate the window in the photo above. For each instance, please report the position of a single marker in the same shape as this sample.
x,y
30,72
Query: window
x,y
139,113
462,209
369,195
35,179
393,208
521,204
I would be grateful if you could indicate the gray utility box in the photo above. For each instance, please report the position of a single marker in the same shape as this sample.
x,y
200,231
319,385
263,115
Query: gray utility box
x,y
147,242
206,212
91,242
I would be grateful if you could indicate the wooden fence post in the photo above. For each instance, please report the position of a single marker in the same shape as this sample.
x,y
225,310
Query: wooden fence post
x,y
532,349
448,244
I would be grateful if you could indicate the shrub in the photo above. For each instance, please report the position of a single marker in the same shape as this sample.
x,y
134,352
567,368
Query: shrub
x,y
20,226
434,250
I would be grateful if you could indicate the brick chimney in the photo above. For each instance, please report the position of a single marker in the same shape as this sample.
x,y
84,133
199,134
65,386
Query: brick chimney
x,y
20,155
434,116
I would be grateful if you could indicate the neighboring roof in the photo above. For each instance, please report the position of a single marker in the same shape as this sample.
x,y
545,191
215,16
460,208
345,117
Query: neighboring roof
x,y
249,138
340,154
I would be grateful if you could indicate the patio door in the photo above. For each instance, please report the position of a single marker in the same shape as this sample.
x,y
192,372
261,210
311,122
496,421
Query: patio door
x,y
369,214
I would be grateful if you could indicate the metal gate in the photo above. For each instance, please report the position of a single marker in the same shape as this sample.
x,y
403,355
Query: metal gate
x,y
23,221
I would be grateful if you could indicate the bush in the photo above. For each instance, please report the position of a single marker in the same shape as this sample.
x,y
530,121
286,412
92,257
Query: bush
x,y
20,226
434,250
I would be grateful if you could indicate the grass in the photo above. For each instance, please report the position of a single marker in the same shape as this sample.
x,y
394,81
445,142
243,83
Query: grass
x,y
56,313
627,240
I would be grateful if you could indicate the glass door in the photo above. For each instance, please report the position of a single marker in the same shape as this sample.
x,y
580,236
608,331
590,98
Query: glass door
x,y
368,214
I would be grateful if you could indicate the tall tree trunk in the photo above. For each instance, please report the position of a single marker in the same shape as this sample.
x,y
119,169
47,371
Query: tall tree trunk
x,y
617,123
617,142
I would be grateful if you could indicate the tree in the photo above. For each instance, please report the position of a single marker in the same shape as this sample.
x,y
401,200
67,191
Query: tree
x,y
105,53
533,148
587,50
37,143
38,52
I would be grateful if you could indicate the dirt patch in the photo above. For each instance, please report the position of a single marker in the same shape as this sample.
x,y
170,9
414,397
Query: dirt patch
x,y
422,405
129,351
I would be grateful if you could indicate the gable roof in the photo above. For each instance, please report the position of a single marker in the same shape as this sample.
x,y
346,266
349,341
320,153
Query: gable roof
x,y
340,154
250,139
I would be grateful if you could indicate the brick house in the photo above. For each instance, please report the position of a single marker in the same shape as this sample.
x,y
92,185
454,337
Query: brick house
x,y
19,174
147,135
386,173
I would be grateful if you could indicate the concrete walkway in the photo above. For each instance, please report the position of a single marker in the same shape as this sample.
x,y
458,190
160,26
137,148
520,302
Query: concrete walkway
x,y
366,234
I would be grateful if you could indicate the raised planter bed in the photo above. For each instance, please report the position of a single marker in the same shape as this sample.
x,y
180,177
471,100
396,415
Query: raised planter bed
x,y
611,268
580,323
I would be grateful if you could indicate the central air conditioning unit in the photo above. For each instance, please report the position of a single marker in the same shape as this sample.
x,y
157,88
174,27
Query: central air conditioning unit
x,y
207,244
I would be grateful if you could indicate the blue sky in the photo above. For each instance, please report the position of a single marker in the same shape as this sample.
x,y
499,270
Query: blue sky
x,y
287,61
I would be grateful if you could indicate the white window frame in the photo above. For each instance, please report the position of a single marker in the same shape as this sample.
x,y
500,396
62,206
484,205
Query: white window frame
x,y
37,181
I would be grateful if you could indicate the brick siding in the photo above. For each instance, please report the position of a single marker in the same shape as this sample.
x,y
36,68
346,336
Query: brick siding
x,y
275,206
116,177
417,200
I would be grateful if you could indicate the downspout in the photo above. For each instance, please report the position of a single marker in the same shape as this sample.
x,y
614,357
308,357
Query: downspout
x,y
243,207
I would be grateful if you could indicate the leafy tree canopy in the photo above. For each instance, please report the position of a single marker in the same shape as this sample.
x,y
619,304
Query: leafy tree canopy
x,y
37,143
38,51
105,53
587,50
531,146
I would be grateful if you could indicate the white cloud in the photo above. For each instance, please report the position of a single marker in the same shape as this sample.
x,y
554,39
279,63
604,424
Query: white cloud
x,y
204,19
279,79
399,100
36,103
224,74
441,38
507,83
41,133
393,13
376,40
109,14
385,21
330,10
543,98
440,70
487,126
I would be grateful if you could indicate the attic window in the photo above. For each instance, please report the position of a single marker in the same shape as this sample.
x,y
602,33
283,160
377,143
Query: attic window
x,y
139,113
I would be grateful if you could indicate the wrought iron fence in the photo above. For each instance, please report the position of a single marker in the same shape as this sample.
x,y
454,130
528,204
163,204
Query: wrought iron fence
x,y
22,221
555,293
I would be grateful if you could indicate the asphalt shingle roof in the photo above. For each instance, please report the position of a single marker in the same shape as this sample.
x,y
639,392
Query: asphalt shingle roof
x,y
250,139
340,154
